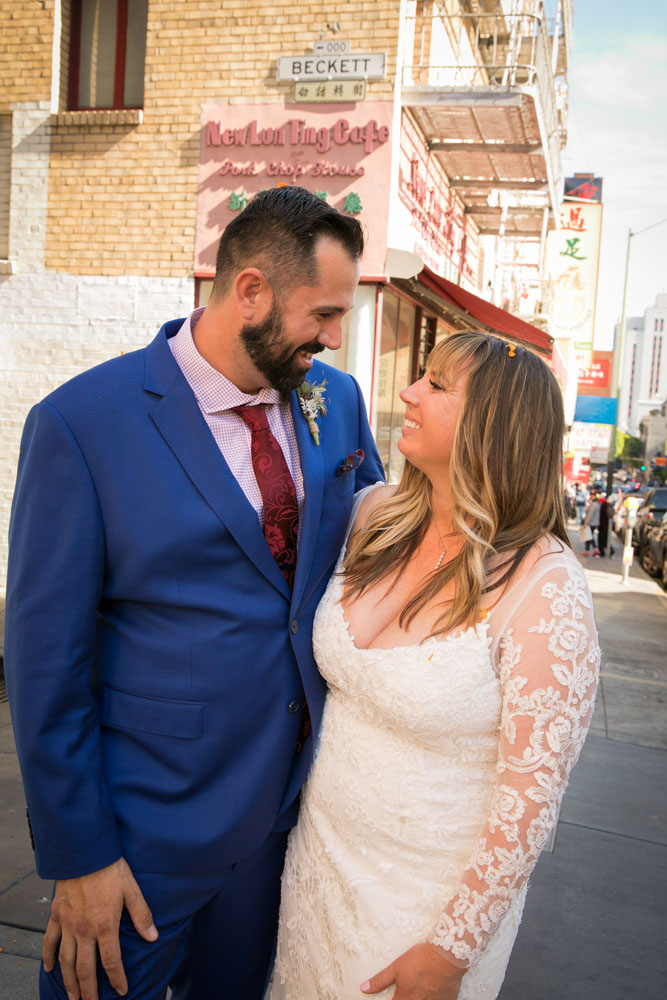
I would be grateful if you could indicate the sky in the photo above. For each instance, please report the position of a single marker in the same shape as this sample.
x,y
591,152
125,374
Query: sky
x,y
617,129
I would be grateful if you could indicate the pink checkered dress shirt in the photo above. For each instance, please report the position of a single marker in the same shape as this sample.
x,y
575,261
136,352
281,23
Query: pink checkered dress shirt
x,y
216,396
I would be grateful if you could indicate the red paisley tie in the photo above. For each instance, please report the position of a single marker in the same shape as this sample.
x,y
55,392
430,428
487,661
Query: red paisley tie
x,y
281,509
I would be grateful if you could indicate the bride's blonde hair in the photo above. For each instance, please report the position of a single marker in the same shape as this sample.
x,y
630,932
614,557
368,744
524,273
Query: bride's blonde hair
x,y
505,475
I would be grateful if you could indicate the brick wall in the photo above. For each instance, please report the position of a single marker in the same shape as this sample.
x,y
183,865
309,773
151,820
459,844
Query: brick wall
x,y
100,215
5,177
122,199
53,326
26,51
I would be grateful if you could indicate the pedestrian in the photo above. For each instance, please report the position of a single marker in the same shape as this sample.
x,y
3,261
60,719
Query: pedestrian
x,y
580,504
606,512
592,522
158,655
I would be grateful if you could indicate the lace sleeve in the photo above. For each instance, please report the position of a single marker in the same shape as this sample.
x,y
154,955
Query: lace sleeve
x,y
548,667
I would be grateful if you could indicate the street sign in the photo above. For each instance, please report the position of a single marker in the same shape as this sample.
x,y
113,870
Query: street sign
x,y
332,47
348,66
314,91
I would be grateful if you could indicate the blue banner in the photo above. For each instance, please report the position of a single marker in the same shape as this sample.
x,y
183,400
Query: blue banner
x,y
596,409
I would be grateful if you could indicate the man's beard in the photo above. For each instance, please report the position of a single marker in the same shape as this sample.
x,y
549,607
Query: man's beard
x,y
266,347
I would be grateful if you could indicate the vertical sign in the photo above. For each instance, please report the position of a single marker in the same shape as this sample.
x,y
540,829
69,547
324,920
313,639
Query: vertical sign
x,y
573,255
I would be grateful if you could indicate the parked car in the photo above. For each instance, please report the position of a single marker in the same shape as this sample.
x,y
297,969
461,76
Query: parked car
x,y
649,514
653,556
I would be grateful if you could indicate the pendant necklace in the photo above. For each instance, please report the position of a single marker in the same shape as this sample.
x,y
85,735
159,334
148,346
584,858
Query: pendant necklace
x,y
444,550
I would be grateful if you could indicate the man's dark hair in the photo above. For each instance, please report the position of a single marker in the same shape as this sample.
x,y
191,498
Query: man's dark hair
x,y
277,232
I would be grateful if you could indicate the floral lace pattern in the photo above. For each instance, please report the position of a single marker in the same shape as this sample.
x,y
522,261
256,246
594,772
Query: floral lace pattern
x,y
543,726
438,776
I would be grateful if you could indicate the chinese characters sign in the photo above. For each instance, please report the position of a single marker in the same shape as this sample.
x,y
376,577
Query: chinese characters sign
x,y
329,90
345,159
573,253
595,379
586,188
427,219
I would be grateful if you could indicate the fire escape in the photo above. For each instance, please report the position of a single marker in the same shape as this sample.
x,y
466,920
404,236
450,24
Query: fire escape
x,y
485,80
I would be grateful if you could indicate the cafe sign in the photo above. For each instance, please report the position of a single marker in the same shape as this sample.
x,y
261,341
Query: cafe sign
x,y
343,158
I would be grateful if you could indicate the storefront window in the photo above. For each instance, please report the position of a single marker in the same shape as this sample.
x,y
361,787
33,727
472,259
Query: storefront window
x,y
394,373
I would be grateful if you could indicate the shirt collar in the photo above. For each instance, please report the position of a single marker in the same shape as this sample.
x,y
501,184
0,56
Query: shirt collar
x,y
213,391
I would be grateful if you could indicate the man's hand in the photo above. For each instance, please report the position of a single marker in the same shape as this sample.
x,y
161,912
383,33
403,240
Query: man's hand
x,y
85,915
421,973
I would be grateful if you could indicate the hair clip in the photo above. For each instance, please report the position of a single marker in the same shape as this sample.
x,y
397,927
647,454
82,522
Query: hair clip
x,y
511,350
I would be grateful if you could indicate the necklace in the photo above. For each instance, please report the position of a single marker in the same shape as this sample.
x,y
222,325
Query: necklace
x,y
443,552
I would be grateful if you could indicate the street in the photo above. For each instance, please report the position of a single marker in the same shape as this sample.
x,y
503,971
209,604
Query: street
x,y
596,914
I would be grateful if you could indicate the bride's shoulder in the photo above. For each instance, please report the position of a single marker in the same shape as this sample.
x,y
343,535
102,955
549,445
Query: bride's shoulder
x,y
368,499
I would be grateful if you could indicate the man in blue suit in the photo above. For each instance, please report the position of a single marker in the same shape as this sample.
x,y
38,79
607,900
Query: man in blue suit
x,y
158,651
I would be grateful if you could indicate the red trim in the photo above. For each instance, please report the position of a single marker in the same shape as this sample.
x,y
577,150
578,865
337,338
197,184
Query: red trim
x,y
558,365
121,44
491,316
363,280
74,57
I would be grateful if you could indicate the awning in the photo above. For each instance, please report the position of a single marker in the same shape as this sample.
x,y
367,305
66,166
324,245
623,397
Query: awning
x,y
492,318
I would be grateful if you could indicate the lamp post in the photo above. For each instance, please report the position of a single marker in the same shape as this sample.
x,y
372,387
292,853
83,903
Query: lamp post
x,y
611,458
619,354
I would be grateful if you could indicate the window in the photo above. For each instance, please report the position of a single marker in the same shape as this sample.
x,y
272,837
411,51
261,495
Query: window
x,y
107,54
393,374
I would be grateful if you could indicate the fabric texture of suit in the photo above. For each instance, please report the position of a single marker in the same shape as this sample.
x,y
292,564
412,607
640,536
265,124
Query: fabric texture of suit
x,y
156,660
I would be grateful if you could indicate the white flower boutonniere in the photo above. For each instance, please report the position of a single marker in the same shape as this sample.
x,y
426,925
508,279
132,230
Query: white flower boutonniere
x,y
311,400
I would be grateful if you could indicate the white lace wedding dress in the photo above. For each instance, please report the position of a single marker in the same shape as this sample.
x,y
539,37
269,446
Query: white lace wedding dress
x,y
438,777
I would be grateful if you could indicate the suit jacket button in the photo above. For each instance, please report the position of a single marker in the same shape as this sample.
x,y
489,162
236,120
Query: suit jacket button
x,y
293,707
294,627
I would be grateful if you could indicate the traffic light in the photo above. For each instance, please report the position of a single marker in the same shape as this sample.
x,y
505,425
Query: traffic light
x,y
643,468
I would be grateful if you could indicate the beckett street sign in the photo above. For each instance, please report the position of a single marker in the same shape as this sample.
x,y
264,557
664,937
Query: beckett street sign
x,y
348,66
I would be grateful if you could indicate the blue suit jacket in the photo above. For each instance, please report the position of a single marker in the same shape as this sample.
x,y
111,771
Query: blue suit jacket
x,y
153,646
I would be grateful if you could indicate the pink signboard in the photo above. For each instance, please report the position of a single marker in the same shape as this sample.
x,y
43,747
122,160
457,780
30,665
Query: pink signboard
x,y
342,153
440,232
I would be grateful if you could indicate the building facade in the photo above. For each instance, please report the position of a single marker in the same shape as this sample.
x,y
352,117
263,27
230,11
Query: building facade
x,y
643,381
132,131
653,434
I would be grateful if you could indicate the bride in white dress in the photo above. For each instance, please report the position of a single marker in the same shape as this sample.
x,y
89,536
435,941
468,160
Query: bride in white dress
x,y
458,642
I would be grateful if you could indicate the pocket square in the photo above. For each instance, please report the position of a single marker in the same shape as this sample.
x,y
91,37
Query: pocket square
x,y
352,461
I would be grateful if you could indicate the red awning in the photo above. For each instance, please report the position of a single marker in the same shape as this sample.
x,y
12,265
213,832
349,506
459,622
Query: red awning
x,y
484,312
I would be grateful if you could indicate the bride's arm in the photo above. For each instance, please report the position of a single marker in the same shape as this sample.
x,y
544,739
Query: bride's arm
x,y
549,667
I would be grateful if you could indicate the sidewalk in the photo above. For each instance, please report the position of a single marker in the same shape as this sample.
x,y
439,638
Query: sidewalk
x,y
596,916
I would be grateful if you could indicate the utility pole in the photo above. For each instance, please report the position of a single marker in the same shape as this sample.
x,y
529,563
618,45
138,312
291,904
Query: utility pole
x,y
619,348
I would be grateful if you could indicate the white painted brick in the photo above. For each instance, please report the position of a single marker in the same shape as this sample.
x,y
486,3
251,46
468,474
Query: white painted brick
x,y
53,326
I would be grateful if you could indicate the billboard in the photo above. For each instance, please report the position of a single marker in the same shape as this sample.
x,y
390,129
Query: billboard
x,y
595,379
587,188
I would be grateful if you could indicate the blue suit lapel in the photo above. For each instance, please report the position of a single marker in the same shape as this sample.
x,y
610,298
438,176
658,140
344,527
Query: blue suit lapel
x,y
180,422
311,459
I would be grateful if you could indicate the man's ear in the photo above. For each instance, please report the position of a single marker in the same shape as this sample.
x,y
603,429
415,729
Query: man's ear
x,y
253,295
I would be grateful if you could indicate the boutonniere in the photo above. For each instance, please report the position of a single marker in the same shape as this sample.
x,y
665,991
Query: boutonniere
x,y
311,401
